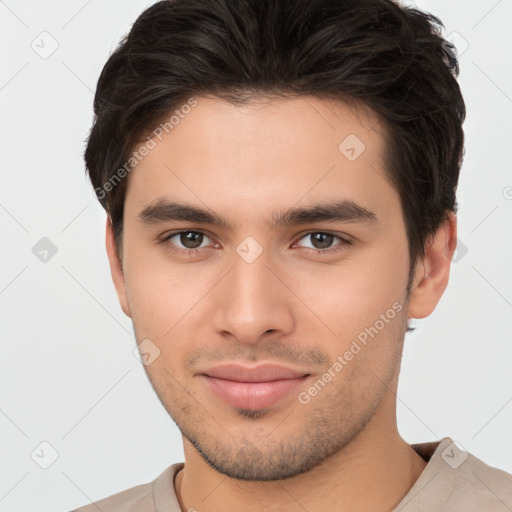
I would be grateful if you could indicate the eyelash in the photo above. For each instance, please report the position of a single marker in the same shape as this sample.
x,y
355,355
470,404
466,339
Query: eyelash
x,y
190,252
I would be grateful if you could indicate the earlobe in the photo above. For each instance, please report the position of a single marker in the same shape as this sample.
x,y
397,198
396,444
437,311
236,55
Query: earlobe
x,y
116,267
433,271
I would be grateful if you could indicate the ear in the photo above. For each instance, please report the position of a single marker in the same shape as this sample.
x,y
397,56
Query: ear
x,y
116,267
433,271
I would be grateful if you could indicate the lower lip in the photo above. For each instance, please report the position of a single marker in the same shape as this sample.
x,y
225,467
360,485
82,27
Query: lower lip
x,y
252,395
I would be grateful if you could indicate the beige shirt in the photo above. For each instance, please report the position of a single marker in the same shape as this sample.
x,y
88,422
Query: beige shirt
x,y
452,481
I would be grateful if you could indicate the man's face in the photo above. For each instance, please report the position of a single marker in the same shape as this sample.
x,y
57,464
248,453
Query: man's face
x,y
302,292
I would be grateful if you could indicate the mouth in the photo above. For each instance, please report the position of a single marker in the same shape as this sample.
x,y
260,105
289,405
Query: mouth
x,y
252,388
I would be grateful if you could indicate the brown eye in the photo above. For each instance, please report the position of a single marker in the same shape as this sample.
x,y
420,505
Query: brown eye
x,y
187,240
323,242
191,239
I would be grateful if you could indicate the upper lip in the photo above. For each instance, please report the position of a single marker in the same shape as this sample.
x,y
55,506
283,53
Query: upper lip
x,y
261,373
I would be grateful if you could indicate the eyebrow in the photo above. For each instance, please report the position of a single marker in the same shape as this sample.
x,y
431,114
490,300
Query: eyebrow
x,y
346,210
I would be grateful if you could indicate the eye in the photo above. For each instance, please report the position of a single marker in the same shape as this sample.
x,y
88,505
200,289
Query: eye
x,y
190,241
322,242
186,241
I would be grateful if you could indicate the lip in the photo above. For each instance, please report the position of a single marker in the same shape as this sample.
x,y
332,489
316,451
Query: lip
x,y
261,373
253,388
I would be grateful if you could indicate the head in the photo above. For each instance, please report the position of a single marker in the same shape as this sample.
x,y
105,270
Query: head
x,y
225,138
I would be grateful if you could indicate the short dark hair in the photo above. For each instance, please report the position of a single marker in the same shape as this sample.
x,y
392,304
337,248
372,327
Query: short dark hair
x,y
392,59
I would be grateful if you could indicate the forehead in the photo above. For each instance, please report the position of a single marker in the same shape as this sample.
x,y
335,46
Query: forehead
x,y
279,151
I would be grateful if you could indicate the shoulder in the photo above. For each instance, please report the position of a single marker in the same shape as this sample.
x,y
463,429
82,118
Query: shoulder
x,y
148,497
456,480
478,486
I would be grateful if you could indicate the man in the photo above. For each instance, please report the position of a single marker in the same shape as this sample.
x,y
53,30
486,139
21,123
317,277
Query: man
x,y
280,178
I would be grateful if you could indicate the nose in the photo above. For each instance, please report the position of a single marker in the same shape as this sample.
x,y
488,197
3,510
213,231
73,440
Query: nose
x,y
253,300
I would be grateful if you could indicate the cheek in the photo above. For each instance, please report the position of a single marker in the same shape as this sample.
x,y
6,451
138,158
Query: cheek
x,y
159,301
163,296
153,291
346,299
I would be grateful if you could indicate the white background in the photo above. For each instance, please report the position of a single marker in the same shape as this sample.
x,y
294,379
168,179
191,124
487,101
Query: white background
x,y
67,372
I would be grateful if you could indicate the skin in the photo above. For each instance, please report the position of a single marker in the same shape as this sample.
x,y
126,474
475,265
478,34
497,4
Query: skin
x,y
342,450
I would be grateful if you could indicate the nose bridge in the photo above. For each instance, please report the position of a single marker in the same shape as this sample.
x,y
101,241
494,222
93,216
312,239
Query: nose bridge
x,y
250,277
251,300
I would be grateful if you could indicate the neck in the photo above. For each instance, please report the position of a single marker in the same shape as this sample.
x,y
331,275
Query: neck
x,y
373,472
